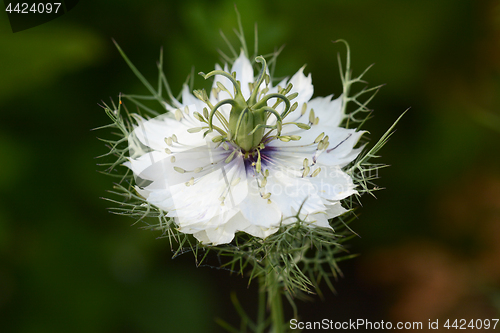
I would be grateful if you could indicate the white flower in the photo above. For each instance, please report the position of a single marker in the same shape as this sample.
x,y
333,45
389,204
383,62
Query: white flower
x,y
244,158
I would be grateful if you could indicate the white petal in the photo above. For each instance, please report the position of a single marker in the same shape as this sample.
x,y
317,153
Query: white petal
x,y
335,210
257,210
327,110
303,85
244,73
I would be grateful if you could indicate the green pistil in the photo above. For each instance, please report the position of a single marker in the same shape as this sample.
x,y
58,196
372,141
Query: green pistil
x,y
248,118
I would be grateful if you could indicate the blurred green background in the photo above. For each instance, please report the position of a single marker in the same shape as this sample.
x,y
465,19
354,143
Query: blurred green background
x,y
430,242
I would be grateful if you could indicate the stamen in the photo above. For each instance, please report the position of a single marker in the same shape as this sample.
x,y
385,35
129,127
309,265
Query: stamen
x,y
198,94
195,129
178,115
235,181
323,144
199,117
218,138
215,93
288,88
312,117
258,164
223,88
230,157
316,172
301,126
179,170
329,150
263,92
190,182
292,96
263,183
306,171
304,109
318,139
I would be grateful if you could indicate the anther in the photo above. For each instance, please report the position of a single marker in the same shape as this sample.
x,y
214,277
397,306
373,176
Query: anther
x,y
312,117
179,170
235,181
178,115
304,109
316,172
198,116
303,126
306,171
263,183
318,139
230,157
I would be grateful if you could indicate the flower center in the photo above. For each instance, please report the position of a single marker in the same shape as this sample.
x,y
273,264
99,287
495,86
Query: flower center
x,y
247,128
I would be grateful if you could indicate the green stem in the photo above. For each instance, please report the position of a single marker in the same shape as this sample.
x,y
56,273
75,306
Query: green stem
x,y
261,314
275,302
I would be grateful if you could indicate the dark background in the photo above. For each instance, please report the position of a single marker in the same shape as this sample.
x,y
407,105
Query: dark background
x,y
430,242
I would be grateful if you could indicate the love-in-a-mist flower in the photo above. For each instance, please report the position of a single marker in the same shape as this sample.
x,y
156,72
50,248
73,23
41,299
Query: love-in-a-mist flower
x,y
248,157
